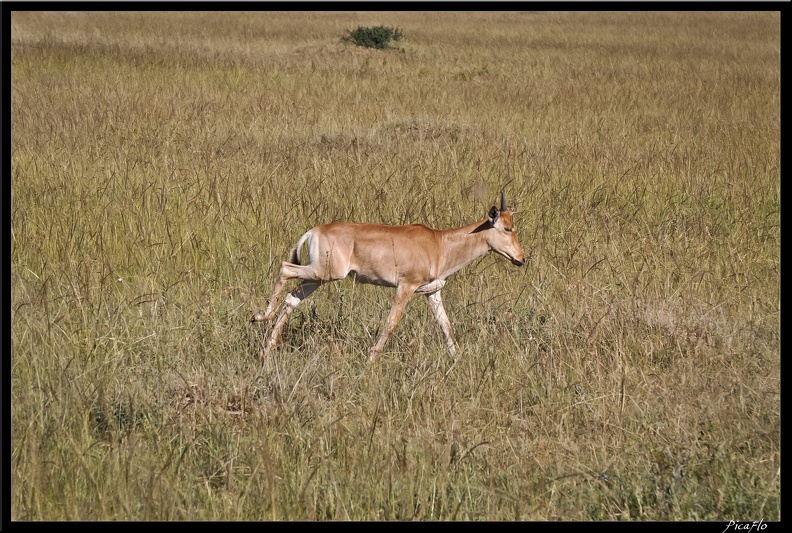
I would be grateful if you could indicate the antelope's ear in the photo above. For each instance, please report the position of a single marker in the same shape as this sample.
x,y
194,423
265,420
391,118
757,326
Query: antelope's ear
x,y
493,214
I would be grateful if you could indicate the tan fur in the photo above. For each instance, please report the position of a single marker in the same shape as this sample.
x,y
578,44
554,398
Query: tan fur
x,y
413,258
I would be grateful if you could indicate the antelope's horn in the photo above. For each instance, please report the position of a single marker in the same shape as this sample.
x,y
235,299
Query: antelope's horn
x,y
503,201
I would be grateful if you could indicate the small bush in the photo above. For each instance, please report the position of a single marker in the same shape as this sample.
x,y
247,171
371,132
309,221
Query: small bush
x,y
374,37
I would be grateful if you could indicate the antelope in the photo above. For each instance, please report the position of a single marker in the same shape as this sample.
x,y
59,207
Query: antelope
x,y
415,259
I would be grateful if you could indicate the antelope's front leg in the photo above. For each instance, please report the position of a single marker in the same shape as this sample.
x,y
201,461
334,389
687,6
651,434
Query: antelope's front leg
x,y
436,305
403,295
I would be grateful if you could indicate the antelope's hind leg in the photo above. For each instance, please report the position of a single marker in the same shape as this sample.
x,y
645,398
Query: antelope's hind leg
x,y
292,300
288,271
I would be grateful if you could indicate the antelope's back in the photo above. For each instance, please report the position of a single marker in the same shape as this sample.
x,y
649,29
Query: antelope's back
x,y
382,250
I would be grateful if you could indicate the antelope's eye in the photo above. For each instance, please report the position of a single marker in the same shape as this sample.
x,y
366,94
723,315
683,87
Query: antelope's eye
x,y
509,229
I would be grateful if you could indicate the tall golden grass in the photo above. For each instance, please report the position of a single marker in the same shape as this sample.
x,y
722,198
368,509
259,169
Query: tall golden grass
x,y
164,163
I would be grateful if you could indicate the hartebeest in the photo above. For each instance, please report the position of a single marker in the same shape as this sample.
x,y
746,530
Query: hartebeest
x,y
414,259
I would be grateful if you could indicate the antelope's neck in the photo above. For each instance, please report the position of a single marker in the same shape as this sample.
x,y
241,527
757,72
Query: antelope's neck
x,y
462,246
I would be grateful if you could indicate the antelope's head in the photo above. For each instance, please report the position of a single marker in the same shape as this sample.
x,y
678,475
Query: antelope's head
x,y
502,236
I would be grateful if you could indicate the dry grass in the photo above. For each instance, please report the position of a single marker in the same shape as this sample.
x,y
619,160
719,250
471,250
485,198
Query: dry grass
x,y
163,164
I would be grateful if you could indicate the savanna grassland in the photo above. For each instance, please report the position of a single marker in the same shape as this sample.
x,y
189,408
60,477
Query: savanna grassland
x,y
162,165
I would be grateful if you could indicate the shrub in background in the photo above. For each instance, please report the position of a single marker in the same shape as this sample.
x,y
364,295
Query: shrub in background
x,y
373,37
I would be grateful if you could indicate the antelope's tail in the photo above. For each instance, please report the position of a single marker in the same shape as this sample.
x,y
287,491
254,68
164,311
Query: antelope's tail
x,y
294,255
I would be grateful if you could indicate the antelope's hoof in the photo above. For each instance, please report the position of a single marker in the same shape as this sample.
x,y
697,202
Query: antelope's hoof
x,y
264,349
258,317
